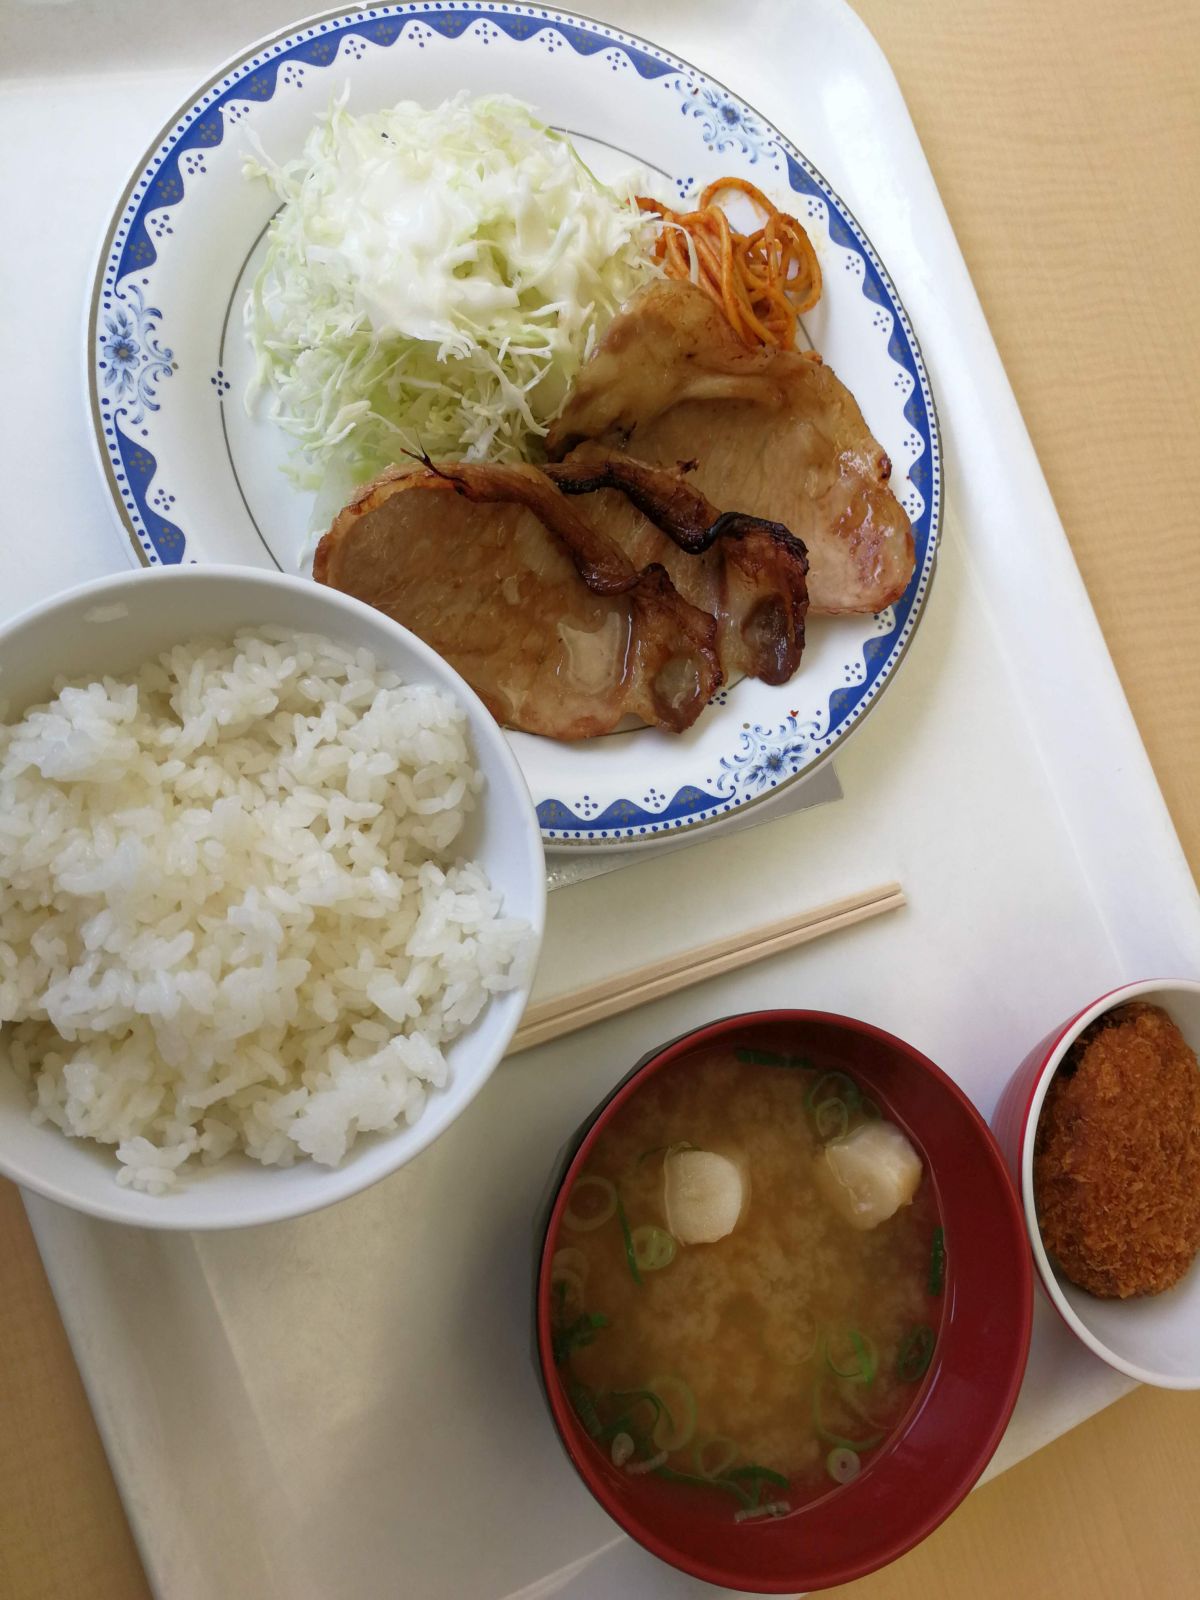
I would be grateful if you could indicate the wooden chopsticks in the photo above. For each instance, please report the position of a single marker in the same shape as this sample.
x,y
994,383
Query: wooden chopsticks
x,y
551,1019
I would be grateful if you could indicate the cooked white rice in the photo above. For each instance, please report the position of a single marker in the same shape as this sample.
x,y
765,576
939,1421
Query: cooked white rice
x,y
231,916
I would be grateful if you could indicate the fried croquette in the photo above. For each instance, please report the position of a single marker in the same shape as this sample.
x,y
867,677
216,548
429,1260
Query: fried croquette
x,y
1116,1164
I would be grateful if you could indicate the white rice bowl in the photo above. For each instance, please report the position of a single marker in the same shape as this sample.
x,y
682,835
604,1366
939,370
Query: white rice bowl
x,y
232,916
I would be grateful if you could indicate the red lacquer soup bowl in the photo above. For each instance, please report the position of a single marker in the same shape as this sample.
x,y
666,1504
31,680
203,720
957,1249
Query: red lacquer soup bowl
x,y
912,1482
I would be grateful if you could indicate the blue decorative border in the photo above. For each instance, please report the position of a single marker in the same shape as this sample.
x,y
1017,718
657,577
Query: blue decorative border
x,y
127,362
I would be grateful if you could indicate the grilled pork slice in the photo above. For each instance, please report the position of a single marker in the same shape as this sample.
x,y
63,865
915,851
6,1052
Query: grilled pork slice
x,y
747,573
772,432
539,609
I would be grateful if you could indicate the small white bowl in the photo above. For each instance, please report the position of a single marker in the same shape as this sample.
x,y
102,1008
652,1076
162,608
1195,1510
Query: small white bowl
x,y
1153,1338
111,627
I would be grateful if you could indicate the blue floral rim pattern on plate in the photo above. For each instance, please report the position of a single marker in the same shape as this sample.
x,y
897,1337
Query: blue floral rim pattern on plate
x,y
128,362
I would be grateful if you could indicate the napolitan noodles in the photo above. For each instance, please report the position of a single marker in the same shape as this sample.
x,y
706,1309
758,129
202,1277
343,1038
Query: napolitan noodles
x,y
747,1281
764,281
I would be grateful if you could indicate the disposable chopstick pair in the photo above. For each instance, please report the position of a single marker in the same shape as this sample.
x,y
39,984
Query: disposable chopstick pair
x,y
563,1014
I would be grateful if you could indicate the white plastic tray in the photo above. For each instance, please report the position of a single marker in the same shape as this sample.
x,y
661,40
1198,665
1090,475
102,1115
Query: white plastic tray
x,y
345,1406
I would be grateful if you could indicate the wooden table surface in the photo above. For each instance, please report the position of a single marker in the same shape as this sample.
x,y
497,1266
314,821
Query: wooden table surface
x,y
1066,142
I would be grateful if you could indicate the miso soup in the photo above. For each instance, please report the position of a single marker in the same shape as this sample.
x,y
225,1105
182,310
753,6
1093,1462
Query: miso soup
x,y
746,1284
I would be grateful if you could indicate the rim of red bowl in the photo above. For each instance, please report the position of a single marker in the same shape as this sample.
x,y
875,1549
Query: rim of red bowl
x,y
963,1393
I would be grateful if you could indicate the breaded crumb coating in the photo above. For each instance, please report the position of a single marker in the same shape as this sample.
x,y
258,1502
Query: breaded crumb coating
x,y
1116,1167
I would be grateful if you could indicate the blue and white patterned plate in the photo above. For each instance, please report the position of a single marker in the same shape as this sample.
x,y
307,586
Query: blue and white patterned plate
x,y
194,477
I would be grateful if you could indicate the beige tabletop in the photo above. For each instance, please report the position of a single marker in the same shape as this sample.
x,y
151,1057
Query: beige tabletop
x,y
1065,139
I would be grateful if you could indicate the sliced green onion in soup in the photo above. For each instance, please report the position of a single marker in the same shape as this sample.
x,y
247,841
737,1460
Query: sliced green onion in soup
x,y
755,1473
577,1334
653,1248
836,1439
640,1426
593,1201
832,1119
937,1262
857,1364
771,1508
567,1288
584,1405
627,1236
714,1457
572,1259
843,1464
791,1340
834,1086
676,1424
854,1396
726,1485
772,1058
664,1150
916,1352
758,1478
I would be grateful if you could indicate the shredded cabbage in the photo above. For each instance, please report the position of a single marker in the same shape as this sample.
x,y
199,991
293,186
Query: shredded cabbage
x,y
433,282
